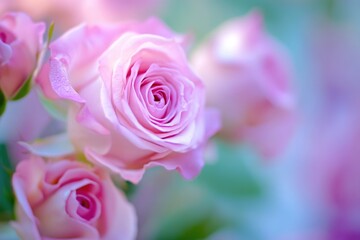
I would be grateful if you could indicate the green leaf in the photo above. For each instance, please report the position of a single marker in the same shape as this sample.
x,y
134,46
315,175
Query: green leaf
x,y
2,103
24,90
185,200
233,175
50,32
7,198
129,188
202,228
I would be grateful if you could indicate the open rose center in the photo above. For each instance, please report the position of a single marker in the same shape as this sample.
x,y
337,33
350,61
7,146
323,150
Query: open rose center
x,y
6,36
159,97
87,206
156,97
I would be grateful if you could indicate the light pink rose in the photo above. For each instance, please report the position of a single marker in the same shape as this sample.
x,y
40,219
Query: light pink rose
x,y
134,101
20,43
247,77
69,200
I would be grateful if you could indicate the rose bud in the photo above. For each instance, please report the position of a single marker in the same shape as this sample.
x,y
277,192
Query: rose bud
x,y
20,43
69,200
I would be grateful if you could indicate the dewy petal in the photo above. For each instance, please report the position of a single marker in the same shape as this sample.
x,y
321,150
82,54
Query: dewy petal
x,y
76,53
43,81
60,82
83,44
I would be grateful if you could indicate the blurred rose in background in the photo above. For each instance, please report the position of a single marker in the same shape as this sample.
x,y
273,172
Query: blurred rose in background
x,y
248,77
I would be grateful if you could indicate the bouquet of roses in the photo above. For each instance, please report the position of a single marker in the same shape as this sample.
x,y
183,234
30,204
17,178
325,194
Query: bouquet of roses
x,y
107,96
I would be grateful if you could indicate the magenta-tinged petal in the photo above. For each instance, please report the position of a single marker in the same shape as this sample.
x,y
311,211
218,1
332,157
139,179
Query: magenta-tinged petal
x,y
88,207
25,30
42,80
60,82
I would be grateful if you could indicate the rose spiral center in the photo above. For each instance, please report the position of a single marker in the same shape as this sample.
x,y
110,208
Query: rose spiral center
x,y
6,36
87,206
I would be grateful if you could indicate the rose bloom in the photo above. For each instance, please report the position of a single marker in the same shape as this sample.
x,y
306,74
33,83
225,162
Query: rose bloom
x,y
247,77
134,101
69,200
20,43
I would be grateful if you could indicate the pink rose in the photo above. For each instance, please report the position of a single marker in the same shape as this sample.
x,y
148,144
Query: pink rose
x,y
134,101
20,43
69,200
247,77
